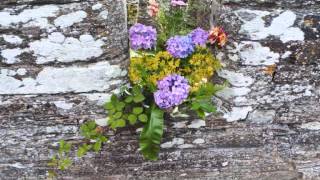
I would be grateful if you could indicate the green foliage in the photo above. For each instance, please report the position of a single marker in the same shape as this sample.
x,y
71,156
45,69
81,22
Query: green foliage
x,y
61,161
126,108
201,103
150,137
91,132
171,22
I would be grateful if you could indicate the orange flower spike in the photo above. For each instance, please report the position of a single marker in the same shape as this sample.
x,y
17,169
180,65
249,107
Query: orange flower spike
x,y
153,8
217,35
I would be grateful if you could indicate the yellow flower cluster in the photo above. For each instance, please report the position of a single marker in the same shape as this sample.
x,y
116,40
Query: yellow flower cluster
x,y
202,65
150,69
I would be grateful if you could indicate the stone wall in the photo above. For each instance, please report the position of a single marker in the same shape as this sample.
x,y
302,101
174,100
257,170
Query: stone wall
x,y
57,67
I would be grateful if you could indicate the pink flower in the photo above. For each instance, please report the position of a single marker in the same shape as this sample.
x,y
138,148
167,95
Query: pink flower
x,y
153,8
178,3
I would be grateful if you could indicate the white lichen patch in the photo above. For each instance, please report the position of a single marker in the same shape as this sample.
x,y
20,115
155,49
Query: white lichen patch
x,y
11,55
70,19
281,26
21,71
59,48
236,79
198,141
104,14
237,113
253,53
102,122
12,39
37,14
99,98
229,93
311,126
95,77
185,146
63,105
170,144
180,124
97,6
262,116
198,123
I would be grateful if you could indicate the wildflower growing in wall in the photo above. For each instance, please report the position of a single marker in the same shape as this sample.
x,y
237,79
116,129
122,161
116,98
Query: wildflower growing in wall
x,y
172,91
178,3
153,8
142,37
180,46
217,35
199,37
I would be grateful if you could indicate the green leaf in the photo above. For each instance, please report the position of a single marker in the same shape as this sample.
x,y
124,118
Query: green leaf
x,y
132,119
136,90
81,151
114,99
207,107
65,163
137,110
138,98
108,106
92,125
143,118
150,137
97,146
118,115
195,105
129,99
201,113
120,106
121,123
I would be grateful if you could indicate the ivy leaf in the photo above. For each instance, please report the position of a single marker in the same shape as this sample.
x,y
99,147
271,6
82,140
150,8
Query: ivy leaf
x,y
150,137
138,98
132,118
143,118
137,110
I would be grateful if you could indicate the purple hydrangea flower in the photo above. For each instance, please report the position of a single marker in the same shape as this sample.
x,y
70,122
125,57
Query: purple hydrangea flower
x,y
180,46
142,37
199,37
172,91
178,3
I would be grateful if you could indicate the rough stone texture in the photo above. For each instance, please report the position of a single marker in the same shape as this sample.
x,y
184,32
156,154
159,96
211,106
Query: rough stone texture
x,y
269,122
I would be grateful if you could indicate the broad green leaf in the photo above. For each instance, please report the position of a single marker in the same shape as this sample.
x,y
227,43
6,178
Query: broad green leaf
x,y
195,105
118,115
108,106
138,98
150,137
121,123
129,99
120,106
114,99
137,110
92,125
143,118
132,118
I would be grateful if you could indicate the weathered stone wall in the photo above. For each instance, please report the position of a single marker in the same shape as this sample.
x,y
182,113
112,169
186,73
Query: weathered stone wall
x,y
269,122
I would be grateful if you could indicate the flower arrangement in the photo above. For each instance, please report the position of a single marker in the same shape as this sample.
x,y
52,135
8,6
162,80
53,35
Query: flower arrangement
x,y
171,65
